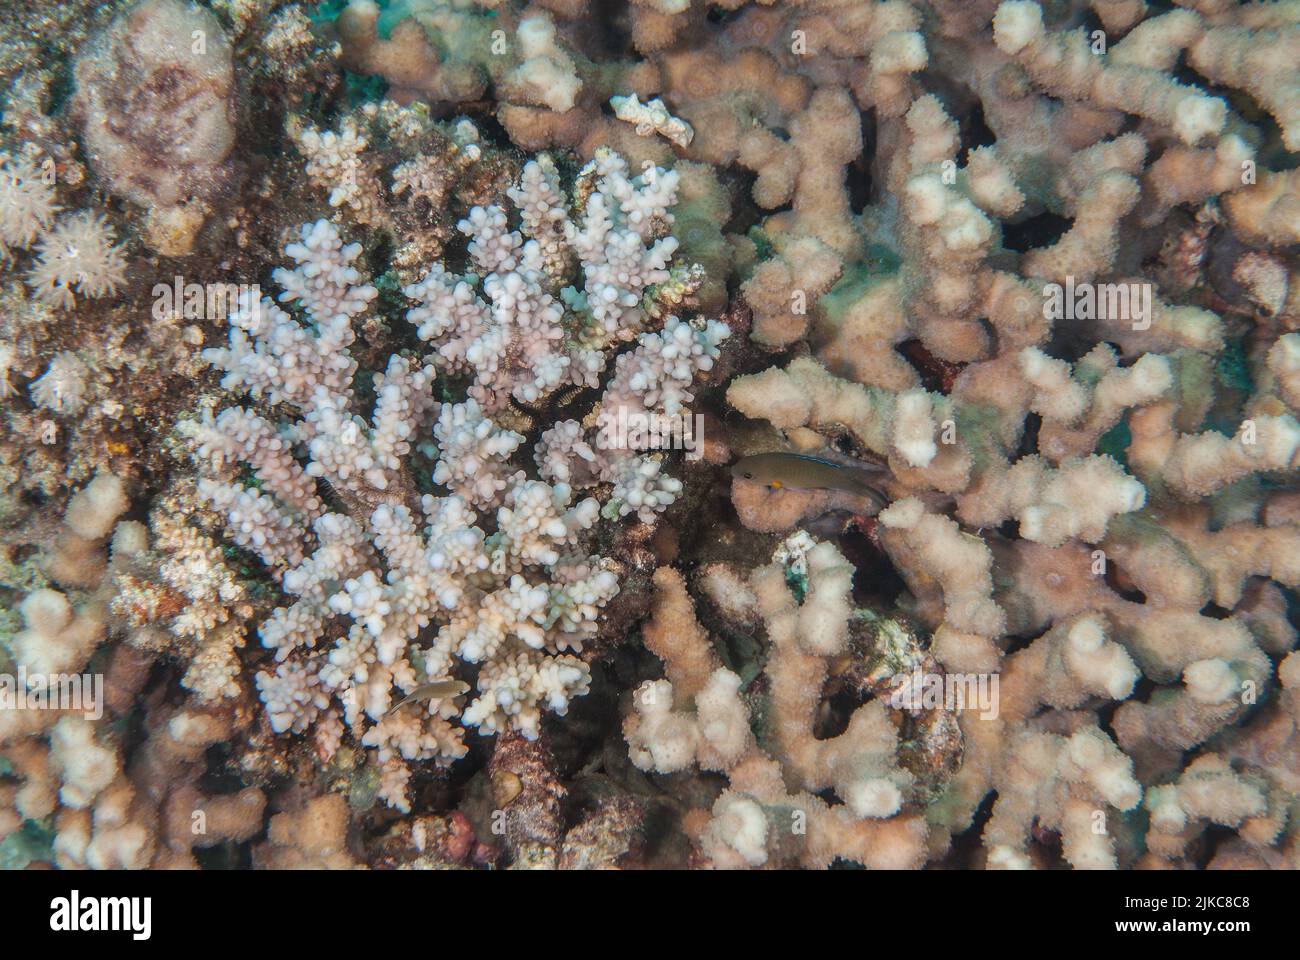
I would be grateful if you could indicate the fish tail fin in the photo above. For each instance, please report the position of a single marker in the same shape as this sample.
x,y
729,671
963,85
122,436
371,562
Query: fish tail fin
x,y
863,483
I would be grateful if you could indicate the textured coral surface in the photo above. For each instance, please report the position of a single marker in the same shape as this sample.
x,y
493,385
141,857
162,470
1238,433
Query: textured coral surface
x,y
574,435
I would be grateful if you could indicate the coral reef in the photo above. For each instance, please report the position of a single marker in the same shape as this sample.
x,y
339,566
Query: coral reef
x,y
375,377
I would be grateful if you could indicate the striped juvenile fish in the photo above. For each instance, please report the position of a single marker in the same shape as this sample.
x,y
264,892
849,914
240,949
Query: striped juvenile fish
x,y
798,471
434,690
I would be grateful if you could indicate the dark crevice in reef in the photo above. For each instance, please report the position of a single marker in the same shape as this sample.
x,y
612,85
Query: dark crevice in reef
x,y
936,375
1142,690
967,846
1041,230
858,180
1215,612
490,130
1029,438
608,25
1018,641
1214,837
62,85
33,497
974,130
833,716
875,581
745,213
721,17
1090,22
1119,581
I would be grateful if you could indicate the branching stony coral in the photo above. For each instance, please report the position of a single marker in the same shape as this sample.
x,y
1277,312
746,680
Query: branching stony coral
x,y
534,335
395,561
178,594
521,342
367,581
1149,485
772,814
394,168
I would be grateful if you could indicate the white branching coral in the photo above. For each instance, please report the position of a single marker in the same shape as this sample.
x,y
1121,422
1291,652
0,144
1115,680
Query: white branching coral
x,y
325,283
372,572
178,592
473,453
530,335
640,486
657,375
652,117
77,257
363,580
650,383
333,161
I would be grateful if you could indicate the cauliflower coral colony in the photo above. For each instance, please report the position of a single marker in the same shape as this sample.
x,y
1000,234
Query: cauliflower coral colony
x,y
739,434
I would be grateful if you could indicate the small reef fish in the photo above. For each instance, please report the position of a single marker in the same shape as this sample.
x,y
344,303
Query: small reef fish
x,y
798,471
434,690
